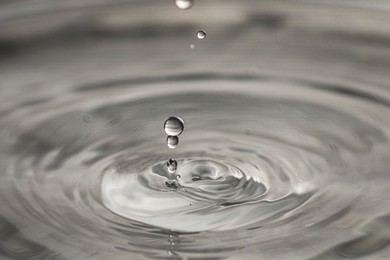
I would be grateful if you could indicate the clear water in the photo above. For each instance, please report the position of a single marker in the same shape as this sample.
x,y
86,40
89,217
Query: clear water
x,y
172,141
201,35
184,4
174,126
286,143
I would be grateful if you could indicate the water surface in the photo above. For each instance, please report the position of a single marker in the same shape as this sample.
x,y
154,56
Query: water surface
x,y
286,143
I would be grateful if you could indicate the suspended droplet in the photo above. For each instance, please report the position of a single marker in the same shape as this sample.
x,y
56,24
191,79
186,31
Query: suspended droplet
x,y
201,35
174,126
184,4
172,165
172,141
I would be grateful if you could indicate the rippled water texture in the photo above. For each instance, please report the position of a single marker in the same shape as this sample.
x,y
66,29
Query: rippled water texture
x,y
285,153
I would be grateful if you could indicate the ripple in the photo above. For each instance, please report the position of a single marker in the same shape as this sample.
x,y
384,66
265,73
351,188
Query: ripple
x,y
273,164
299,158
286,168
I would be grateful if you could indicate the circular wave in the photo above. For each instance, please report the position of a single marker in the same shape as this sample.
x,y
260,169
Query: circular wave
x,y
256,165
284,153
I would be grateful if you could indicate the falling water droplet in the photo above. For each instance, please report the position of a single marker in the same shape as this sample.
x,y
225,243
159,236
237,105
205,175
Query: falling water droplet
x,y
174,126
201,35
184,4
172,141
172,165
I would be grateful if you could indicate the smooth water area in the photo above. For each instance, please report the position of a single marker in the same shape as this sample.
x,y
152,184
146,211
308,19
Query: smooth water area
x,y
285,149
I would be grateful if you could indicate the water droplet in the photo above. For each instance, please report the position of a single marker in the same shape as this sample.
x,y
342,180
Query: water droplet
x,y
178,176
201,35
174,126
172,165
192,46
184,4
172,141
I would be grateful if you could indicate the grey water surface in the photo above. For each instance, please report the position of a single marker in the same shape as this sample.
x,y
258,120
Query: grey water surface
x,y
285,153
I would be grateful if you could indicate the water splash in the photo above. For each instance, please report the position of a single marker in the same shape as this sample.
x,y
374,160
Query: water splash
x,y
172,165
173,126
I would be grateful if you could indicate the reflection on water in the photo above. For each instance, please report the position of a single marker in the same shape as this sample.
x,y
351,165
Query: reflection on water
x,y
284,153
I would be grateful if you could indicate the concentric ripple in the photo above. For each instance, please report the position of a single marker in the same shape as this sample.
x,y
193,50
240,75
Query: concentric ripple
x,y
255,165
286,142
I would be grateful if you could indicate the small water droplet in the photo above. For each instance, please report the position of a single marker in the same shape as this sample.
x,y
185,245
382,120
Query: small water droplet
x,y
172,141
178,176
172,165
192,46
184,4
201,35
174,126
